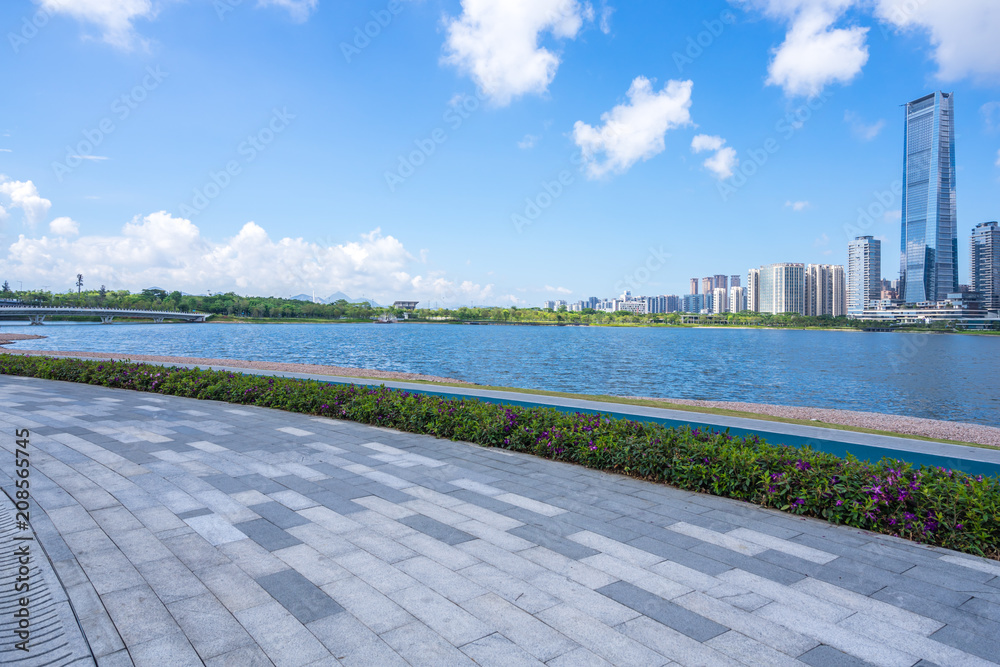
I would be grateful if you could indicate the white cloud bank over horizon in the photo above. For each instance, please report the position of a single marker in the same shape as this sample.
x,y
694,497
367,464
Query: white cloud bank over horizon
x,y
160,249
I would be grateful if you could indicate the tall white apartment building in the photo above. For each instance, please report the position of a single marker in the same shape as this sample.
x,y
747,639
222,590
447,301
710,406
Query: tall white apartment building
x,y
864,273
753,290
825,291
720,304
737,299
782,288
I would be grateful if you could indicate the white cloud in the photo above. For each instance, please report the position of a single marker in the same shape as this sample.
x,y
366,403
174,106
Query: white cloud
x,y
298,10
5,150
3,214
861,129
64,227
113,17
814,54
160,249
496,42
605,24
705,142
962,33
635,130
723,161
798,206
560,290
24,195
529,141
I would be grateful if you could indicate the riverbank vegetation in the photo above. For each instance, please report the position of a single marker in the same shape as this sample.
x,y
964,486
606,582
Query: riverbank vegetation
x,y
231,307
930,505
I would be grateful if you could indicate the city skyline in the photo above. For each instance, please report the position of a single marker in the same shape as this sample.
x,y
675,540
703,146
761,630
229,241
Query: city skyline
x,y
375,150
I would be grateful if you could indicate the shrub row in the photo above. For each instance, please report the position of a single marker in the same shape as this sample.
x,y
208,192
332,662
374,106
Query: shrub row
x,y
926,504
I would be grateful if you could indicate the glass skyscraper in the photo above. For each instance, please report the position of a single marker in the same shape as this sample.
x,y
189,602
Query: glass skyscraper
x,y
928,266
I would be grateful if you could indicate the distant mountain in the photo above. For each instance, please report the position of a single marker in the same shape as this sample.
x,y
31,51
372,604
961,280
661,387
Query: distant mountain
x,y
304,297
337,296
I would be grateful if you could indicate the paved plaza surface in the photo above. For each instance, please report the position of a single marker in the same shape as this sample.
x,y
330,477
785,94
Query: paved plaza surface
x,y
189,532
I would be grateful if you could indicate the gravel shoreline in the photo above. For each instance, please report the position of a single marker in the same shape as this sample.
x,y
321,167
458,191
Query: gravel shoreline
x,y
6,338
928,428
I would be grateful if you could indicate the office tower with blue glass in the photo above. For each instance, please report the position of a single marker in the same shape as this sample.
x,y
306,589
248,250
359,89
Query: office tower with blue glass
x,y
928,266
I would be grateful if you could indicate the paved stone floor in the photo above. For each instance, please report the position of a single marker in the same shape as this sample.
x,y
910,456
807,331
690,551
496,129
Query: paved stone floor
x,y
190,532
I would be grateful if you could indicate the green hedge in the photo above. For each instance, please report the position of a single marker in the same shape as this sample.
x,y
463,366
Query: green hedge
x,y
931,505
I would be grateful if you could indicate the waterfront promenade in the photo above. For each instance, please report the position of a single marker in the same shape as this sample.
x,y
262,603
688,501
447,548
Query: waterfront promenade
x,y
188,532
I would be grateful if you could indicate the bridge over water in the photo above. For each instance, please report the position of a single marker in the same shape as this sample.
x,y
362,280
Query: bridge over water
x,y
37,314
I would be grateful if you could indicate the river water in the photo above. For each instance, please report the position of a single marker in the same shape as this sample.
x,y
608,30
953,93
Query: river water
x,y
950,377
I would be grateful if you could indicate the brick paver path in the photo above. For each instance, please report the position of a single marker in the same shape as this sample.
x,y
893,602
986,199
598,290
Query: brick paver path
x,y
192,532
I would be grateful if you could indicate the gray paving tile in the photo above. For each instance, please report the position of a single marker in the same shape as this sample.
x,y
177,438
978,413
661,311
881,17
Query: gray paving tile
x,y
681,556
543,538
436,529
987,648
279,515
210,627
267,535
827,656
669,614
299,596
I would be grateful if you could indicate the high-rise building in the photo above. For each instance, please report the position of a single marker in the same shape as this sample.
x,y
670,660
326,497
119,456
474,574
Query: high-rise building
x,y
825,290
928,264
864,273
734,281
673,303
782,288
707,285
753,290
694,286
737,298
693,303
720,303
985,254
720,281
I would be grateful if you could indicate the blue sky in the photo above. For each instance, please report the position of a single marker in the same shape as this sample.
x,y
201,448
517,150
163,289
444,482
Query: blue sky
x,y
477,151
